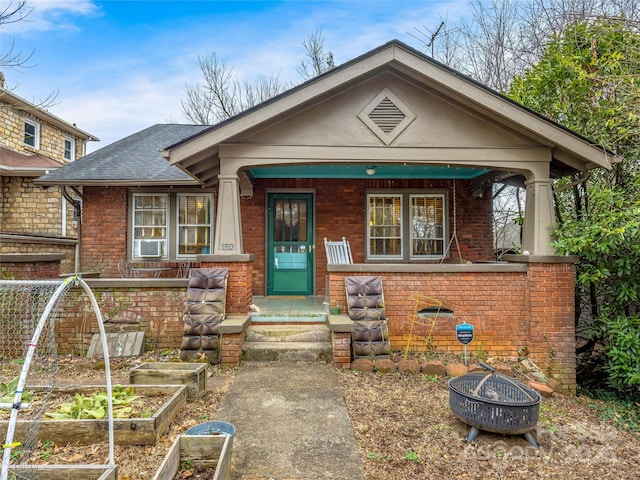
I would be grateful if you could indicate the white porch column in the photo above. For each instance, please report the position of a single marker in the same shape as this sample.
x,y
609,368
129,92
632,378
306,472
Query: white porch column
x,y
227,238
538,218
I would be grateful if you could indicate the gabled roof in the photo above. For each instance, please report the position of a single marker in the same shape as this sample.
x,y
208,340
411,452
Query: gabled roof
x,y
134,160
39,112
570,151
16,164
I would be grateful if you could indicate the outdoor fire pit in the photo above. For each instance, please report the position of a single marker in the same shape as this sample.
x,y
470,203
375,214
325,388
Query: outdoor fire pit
x,y
494,403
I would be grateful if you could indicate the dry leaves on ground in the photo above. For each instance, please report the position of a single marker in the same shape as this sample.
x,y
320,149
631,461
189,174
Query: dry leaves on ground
x,y
405,429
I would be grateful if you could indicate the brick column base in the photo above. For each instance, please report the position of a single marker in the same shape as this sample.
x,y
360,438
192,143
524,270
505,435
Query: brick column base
x,y
231,348
341,349
552,338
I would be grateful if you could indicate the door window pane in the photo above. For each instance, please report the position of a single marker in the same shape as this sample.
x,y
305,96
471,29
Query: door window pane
x,y
290,221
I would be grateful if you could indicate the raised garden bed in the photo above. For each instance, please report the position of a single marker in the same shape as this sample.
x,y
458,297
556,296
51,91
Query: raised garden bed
x,y
65,472
193,375
198,451
127,431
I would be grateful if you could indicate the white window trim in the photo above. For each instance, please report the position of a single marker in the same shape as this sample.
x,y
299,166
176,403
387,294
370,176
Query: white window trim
x,y
177,223
171,242
405,245
36,135
73,149
444,225
167,227
368,233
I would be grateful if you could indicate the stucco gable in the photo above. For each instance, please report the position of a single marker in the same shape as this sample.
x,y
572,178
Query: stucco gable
x,y
272,123
456,113
431,120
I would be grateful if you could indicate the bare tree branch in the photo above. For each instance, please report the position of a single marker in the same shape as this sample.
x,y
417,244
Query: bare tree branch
x,y
317,61
13,13
222,95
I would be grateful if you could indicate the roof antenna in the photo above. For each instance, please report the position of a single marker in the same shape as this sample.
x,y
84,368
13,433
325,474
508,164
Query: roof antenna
x,y
433,37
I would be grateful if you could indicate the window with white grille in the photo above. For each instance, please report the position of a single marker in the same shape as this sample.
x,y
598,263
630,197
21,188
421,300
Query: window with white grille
x,y
406,226
171,226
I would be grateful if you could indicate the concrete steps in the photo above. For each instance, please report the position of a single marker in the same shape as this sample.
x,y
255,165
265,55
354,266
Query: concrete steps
x,y
287,343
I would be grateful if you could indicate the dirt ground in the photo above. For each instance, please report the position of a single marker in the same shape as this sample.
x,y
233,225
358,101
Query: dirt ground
x,y
404,429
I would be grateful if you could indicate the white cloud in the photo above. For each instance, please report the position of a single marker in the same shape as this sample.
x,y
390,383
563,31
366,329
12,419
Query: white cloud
x,y
112,112
45,15
135,78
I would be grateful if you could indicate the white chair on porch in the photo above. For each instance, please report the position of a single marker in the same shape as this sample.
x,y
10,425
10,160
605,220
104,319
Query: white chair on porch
x,y
338,252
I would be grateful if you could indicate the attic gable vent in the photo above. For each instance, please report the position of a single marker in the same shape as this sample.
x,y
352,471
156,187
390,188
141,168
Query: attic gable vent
x,y
386,116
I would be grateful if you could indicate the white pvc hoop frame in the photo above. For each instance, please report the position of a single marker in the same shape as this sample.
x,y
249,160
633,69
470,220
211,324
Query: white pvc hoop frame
x,y
65,285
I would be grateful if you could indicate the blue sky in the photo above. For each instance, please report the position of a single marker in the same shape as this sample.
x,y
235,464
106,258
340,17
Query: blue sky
x,y
121,66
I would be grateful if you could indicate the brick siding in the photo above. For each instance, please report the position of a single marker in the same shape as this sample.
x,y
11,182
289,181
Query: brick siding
x,y
340,210
511,312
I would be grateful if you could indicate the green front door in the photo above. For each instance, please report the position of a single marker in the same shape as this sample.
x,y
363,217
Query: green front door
x,y
290,244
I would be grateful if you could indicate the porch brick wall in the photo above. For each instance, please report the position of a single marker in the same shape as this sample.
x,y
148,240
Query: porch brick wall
x,y
160,308
509,311
66,265
340,212
231,349
161,311
239,295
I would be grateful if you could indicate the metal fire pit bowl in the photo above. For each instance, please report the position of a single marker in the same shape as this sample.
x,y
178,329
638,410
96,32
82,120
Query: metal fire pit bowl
x,y
494,403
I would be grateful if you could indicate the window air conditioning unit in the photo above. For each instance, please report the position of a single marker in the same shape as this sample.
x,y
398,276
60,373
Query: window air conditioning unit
x,y
149,248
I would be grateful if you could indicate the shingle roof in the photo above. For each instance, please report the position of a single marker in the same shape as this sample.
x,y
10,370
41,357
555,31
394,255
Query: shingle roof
x,y
16,163
134,160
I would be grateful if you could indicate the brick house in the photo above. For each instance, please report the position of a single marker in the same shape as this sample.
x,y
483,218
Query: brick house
x,y
393,151
38,225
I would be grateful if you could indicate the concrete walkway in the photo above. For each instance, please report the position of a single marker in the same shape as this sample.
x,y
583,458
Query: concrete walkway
x,y
291,424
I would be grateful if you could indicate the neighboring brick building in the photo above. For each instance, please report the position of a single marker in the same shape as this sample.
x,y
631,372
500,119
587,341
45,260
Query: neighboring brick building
x,y
37,224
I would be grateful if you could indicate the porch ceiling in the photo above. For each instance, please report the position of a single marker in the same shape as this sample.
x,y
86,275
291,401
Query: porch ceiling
x,y
368,171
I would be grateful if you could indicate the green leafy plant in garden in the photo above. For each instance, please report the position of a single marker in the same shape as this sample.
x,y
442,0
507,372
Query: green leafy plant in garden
x,y
95,406
46,449
411,456
8,391
587,80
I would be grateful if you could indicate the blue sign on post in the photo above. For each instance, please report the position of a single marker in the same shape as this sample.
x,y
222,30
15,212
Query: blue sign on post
x,y
464,334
